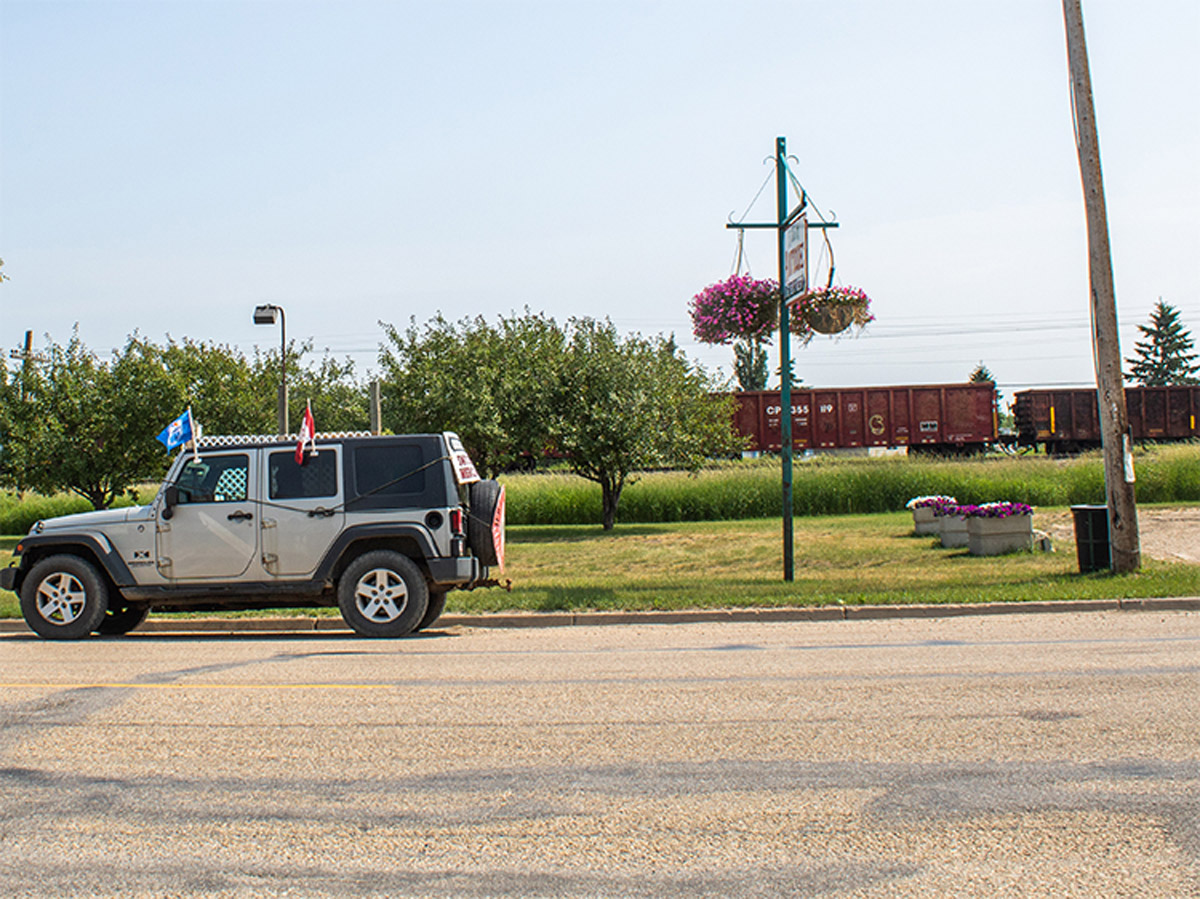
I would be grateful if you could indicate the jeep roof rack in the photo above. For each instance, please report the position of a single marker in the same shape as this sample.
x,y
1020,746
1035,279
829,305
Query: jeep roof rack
x,y
217,440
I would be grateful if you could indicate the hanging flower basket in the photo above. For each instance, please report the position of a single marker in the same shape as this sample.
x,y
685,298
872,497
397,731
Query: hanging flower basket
x,y
738,308
830,319
833,309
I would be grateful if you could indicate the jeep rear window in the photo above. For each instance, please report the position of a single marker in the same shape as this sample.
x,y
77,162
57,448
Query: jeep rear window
x,y
316,477
389,471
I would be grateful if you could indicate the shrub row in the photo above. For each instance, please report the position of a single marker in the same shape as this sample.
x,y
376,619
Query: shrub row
x,y
18,514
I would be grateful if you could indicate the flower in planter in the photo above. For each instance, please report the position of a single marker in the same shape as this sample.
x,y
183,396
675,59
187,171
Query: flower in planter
x,y
737,308
994,510
831,310
921,502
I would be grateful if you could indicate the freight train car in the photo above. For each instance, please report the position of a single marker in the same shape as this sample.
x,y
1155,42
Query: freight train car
x,y
1068,420
936,418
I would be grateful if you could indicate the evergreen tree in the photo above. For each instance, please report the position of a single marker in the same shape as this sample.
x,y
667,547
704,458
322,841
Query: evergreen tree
x,y
750,364
981,375
1163,358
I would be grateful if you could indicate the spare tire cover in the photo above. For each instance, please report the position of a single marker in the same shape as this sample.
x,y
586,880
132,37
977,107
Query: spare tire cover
x,y
485,522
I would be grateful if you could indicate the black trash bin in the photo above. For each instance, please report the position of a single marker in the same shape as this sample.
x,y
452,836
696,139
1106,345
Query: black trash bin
x,y
1091,538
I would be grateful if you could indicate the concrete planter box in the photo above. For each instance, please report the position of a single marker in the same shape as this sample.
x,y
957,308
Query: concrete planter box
x,y
953,529
924,521
994,536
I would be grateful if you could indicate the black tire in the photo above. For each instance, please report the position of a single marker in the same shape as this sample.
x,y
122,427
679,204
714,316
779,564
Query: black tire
x,y
484,496
383,594
64,597
122,619
433,611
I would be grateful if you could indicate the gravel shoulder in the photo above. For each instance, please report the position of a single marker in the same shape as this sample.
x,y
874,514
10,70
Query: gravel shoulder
x,y
1169,535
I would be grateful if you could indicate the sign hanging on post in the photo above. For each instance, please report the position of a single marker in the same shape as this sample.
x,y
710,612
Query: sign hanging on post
x,y
795,258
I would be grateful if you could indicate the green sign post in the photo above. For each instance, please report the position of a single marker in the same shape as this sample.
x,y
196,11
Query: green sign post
x,y
785,220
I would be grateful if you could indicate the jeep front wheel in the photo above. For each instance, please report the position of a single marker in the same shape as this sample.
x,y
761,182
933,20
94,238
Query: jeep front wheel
x,y
64,598
383,594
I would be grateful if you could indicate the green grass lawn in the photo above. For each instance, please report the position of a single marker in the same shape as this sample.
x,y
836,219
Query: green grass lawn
x,y
850,559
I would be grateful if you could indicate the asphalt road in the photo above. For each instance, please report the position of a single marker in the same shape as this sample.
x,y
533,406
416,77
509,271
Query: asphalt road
x,y
1015,755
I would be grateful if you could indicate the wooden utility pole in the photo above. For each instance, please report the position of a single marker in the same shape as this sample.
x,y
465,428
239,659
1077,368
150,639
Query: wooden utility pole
x,y
1126,553
376,409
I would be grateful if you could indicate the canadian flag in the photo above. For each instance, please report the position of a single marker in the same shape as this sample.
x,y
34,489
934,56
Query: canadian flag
x,y
308,434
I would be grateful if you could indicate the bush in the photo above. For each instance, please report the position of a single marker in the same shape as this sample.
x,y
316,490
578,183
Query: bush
x,y
18,515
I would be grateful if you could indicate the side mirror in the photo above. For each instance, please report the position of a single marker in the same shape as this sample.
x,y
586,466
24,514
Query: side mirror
x,y
170,501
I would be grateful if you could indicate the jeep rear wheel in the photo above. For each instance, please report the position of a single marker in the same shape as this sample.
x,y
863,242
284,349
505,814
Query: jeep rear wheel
x,y
433,611
383,594
122,619
64,598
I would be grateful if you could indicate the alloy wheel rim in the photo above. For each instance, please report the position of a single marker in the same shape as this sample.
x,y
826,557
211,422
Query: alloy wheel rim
x,y
61,598
381,595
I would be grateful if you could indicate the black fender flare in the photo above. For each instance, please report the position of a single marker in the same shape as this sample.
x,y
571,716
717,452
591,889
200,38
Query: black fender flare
x,y
86,546
374,535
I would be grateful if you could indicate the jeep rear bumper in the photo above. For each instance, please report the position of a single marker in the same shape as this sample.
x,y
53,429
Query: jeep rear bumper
x,y
457,571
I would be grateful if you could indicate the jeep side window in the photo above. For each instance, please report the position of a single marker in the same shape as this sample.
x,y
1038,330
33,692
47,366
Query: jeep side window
x,y
392,471
315,478
214,479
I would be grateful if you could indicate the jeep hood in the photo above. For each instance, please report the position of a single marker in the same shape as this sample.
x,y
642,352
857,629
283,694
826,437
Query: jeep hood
x,y
85,520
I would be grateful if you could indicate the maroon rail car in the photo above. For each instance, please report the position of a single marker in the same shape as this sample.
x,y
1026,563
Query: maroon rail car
x,y
935,418
1068,420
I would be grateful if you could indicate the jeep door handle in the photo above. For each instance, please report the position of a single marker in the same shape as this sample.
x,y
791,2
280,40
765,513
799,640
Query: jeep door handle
x,y
239,516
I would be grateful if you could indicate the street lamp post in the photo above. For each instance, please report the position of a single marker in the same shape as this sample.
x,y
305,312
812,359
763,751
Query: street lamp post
x,y
266,315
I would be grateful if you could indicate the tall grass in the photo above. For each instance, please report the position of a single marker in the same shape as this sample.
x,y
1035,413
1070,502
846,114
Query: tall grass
x,y
821,485
837,486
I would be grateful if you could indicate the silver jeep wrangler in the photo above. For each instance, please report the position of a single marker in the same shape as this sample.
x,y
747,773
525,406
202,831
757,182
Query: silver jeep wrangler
x,y
382,527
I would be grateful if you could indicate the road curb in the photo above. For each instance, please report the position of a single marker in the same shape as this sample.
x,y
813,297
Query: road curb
x,y
301,624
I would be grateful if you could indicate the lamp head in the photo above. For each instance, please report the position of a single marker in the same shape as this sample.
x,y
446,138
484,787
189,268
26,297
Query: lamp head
x,y
265,315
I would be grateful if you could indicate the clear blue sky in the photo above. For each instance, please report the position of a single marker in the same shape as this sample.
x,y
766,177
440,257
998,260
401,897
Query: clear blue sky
x,y
166,166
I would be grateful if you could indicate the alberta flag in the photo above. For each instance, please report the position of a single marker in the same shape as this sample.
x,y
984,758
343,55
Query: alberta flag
x,y
178,432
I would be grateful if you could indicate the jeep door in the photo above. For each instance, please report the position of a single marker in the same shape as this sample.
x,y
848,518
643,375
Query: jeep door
x,y
302,510
212,533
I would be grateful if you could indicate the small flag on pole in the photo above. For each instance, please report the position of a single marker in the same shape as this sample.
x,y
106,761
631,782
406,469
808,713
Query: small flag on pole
x,y
178,432
308,434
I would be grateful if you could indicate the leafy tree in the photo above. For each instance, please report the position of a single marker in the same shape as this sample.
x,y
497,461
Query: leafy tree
x,y
340,402
491,385
609,405
71,422
222,387
1163,359
750,364
627,404
88,427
